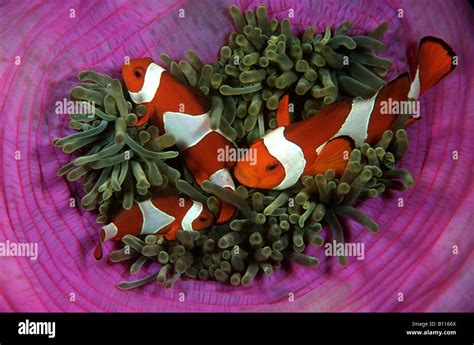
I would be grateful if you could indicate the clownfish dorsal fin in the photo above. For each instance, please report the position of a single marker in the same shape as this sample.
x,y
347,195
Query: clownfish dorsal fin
x,y
334,155
283,113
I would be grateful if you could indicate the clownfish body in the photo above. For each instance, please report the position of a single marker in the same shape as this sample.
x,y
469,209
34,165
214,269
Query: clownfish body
x,y
324,141
164,215
182,111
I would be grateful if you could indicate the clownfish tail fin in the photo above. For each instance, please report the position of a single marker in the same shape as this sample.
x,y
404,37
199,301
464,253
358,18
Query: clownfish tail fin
x,y
435,61
108,232
99,252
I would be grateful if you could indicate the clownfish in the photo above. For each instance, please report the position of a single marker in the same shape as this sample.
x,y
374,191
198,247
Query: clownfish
x,y
181,110
164,215
323,141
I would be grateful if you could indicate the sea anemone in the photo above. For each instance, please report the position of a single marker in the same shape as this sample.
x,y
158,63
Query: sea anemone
x,y
262,61
123,163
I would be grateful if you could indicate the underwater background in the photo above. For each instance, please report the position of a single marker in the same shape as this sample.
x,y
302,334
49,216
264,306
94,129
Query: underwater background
x,y
412,254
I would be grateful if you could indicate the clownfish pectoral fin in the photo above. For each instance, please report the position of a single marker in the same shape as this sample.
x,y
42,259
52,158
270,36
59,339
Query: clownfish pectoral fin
x,y
144,119
283,113
334,155
170,235
200,176
195,169
226,212
199,96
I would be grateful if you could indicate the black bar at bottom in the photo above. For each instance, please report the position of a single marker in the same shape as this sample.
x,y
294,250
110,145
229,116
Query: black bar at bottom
x,y
260,328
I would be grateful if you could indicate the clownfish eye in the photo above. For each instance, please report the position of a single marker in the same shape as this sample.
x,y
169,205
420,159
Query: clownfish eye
x,y
272,166
138,72
202,218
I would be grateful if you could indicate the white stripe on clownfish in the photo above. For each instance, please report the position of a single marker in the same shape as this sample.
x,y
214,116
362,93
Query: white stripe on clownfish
x,y
150,85
357,121
289,154
191,215
414,92
188,130
153,218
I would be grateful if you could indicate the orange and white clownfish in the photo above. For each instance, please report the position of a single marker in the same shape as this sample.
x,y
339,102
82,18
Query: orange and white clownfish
x,y
322,142
182,111
164,215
